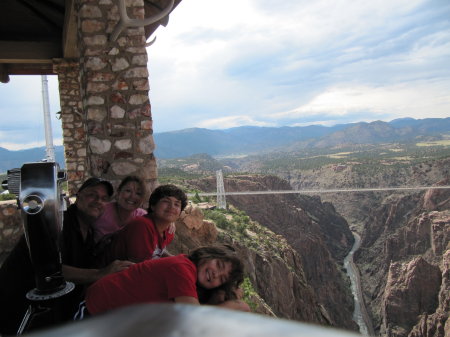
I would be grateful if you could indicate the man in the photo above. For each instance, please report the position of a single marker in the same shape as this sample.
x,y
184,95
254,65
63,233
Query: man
x,y
78,233
77,248
78,245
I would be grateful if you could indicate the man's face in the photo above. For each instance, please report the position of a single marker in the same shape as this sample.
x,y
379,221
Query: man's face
x,y
92,200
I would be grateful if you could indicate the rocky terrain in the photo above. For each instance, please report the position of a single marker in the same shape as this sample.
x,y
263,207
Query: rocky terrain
x,y
320,239
404,254
268,265
403,259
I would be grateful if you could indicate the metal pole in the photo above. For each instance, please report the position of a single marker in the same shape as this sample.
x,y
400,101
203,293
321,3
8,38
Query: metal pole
x,y
50,151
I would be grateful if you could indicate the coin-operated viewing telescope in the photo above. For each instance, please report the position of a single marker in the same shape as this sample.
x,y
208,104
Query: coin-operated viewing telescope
x,y
41,200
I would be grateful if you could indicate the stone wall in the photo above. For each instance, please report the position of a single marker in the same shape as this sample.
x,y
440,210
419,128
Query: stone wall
x,y
10,225
105,106
72,121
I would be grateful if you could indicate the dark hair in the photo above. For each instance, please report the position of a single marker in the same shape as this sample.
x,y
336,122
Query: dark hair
x,y
134,179
227,254
166,191
94,181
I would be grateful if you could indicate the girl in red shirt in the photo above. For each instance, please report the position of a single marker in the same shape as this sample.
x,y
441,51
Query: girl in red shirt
x,y
173,279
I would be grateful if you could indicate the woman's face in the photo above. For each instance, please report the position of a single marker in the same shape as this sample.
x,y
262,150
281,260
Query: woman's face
x,y
213,273
130,196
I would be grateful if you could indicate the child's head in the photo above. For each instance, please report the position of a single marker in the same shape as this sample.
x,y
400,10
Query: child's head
x,y
164,191
218,266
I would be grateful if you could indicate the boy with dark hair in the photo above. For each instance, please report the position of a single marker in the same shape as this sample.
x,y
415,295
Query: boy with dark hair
x,y
167,191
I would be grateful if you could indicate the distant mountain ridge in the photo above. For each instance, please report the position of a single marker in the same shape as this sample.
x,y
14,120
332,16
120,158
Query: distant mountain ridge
x,y
15,159
252,139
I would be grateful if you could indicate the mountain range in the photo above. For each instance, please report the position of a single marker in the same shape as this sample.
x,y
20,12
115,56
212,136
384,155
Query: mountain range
x,y
253,140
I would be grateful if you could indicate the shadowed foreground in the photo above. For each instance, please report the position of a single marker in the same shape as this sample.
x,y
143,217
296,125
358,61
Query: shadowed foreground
x,y
164,320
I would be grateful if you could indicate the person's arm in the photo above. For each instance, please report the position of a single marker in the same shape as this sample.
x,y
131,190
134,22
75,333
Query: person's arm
x,y
187,300
86,276
235,305
166,253
218,298
231,304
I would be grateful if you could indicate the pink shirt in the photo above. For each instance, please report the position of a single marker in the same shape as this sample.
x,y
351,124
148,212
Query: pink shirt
x,y
109,221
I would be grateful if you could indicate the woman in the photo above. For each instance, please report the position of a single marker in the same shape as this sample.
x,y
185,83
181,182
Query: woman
x,y
146,237
130,196
173,279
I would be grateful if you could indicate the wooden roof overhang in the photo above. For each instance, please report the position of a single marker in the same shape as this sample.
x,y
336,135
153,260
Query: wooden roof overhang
x,y
34,32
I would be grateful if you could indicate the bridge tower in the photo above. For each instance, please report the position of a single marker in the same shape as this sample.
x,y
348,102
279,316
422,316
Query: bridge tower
x,y
221,202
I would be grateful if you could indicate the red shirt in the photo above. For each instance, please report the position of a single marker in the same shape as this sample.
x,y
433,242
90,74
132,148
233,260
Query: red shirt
x,y
140,240
151,281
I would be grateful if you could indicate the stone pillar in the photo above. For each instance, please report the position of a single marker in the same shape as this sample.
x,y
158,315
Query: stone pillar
x,y
73,122
112,114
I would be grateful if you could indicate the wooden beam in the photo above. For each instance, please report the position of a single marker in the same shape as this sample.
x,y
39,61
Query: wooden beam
x,y
29,51
4,74
69,42
28,68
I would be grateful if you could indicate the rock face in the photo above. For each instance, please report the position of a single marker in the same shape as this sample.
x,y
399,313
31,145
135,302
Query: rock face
x,y
404,264
437,323
411,289
267,269
319,236
396,229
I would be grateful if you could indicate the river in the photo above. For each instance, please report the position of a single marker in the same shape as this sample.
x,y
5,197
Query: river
x,y
360,315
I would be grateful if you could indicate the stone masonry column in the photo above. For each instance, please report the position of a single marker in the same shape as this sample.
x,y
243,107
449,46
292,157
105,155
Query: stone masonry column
x,y
73,121
115,106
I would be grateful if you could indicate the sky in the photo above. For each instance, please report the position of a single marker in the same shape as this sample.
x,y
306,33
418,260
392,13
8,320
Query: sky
x,y
228,63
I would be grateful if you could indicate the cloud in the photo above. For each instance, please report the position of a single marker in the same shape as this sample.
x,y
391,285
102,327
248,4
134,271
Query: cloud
x,y
417,100
303,56
22,146
22,112
227,63
230,122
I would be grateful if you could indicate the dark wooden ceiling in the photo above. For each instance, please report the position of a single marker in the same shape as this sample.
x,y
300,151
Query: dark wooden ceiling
x,y
33,32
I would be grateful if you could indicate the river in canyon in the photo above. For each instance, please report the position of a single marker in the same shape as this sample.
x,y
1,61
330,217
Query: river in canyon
x,y
360,315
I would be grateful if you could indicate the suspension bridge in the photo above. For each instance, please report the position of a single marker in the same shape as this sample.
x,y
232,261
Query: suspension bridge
x,y
221,193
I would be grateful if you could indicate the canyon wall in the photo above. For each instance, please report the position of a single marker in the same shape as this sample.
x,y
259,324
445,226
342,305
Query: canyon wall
x,y
273,268
404,264
320,237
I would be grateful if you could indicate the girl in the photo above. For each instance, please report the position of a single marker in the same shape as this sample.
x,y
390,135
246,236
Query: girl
x,y
173,279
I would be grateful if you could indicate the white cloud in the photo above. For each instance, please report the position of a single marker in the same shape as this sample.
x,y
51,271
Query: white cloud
x,y
227,63
256,58
29,145
22,112
230,122
416,100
